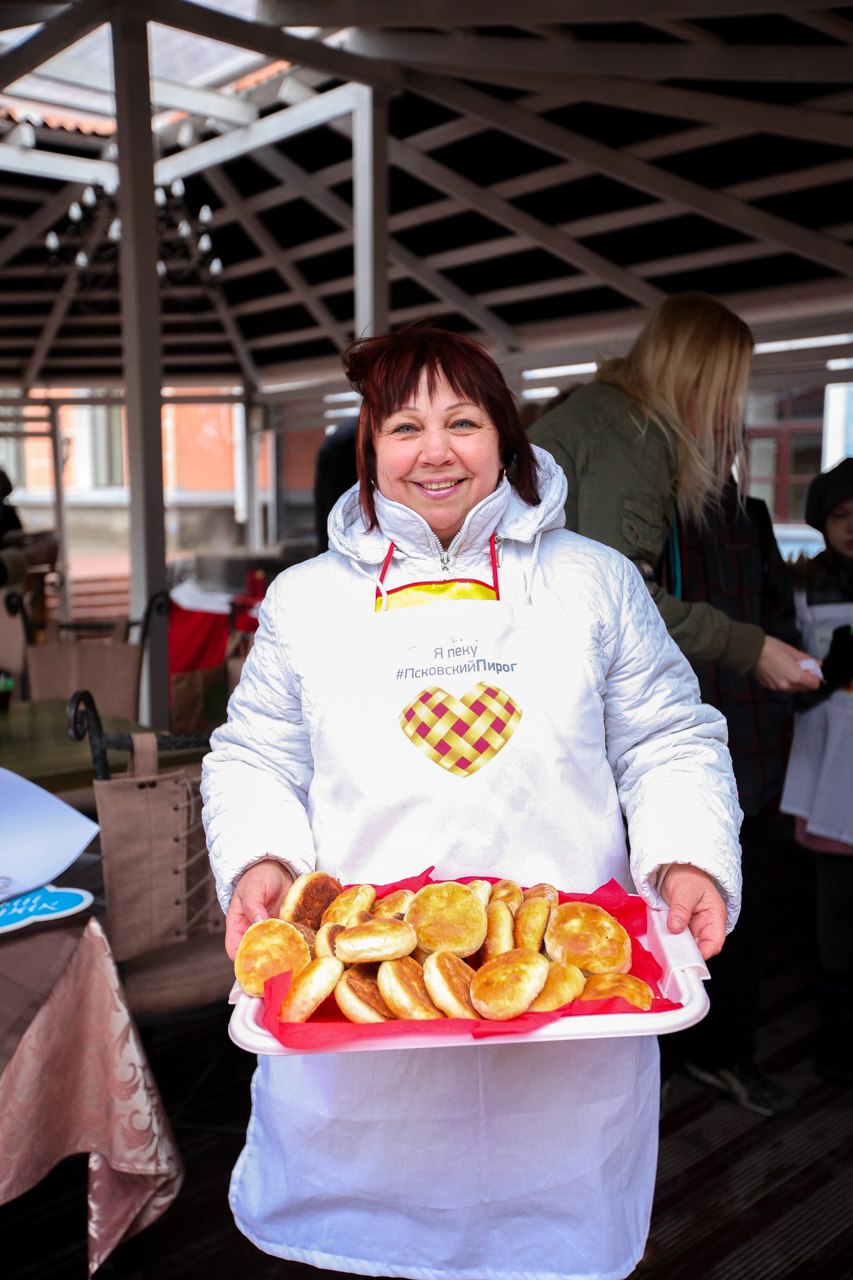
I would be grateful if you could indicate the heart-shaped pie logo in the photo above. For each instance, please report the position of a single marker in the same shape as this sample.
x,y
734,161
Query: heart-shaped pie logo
x,y
461,734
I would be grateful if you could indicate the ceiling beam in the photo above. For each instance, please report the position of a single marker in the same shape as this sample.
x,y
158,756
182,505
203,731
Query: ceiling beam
x,y
414,161
69,25
492,58
339,211
715,108
482,13
61,303
55,164
255,229
250,371
38,223
321,109
216,24
632,171
165,93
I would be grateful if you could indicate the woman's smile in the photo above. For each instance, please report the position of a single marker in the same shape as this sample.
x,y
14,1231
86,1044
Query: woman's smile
x,y
439,455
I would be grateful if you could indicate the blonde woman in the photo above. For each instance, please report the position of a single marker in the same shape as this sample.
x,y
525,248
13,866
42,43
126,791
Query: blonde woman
x,y
652,440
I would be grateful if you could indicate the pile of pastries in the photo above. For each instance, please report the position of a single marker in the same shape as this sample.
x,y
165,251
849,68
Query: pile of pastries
x,y
447,950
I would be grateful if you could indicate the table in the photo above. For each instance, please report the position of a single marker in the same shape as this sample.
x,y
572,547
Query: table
x,y
200,623
34,744
75,1079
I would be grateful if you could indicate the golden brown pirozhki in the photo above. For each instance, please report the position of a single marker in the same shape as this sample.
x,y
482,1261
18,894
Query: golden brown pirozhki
x,y
448,980
531,920
506,986
404,990
309,989
564,983
509,892
448,917
347,907
500,930
308,897
393,904
267,948
584,934
375,940
358,997
606,986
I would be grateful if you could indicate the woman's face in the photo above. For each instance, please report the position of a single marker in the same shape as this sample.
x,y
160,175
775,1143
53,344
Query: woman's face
x,y
838,528
438,455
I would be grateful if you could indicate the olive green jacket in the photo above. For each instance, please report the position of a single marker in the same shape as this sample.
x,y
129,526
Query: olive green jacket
x,y
622,485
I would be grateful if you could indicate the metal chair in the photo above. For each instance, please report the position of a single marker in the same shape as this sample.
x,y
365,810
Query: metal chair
x,y
92,654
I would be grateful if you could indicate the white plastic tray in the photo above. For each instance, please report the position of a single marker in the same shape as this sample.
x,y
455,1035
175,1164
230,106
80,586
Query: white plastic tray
x,y
684,972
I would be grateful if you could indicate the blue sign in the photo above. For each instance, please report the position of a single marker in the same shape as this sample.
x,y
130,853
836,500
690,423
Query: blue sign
x,y
46,903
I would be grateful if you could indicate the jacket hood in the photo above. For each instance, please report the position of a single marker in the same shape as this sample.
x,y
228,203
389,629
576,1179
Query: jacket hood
x,y
503,512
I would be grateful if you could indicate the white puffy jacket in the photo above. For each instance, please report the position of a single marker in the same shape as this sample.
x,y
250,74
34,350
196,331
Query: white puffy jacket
x,y
666,749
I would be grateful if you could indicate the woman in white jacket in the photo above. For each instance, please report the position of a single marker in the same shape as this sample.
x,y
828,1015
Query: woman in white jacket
x,y
449,571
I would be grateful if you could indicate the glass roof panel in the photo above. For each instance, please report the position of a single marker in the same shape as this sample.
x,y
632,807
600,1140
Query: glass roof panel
x,y
81,76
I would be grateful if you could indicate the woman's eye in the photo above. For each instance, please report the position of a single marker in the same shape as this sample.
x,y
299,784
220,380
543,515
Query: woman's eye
x,y
463,424
403,429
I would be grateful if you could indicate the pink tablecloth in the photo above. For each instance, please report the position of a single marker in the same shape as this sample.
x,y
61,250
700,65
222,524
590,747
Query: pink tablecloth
x,y
79,1081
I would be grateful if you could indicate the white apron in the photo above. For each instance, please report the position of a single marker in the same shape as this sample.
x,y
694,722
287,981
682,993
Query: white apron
x,y
508,1162
817,783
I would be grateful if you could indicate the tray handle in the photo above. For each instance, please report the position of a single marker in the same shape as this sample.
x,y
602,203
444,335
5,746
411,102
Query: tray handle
x,y
675,952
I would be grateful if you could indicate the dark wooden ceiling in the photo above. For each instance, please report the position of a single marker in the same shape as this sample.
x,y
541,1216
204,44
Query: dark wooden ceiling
x,y
553,170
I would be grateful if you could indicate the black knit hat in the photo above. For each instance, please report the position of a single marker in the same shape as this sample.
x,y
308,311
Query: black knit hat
x,y
826,491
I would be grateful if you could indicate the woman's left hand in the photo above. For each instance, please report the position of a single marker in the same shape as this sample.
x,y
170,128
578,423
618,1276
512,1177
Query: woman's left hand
x,y
258,894
694,901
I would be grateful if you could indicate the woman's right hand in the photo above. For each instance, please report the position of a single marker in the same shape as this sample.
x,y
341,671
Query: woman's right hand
x,y
259,894
778,667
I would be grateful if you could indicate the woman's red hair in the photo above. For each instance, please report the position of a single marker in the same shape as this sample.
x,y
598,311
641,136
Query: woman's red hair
x,y
386,371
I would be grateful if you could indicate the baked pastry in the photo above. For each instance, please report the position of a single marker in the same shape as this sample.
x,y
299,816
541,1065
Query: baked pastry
x,y
375,940
393,904
483,890
564,983
345,908
269,947
509,892
308,897
584,934
607,986
531,920
448,917
507,985
500,930
309,989
358,997
324,939
308,934
403,989
448,980
543,890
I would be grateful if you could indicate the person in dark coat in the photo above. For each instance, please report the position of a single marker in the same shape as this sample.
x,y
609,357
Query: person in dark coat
x,y
336,472
733,562
10,521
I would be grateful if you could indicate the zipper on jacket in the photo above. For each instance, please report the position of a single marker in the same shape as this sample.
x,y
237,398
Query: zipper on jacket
x,y
444,557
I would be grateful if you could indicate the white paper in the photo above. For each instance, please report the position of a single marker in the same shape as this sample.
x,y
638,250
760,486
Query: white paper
x,y
40,835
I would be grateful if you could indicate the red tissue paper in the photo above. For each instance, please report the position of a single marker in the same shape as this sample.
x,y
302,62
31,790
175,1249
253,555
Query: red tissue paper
x,y
329,1030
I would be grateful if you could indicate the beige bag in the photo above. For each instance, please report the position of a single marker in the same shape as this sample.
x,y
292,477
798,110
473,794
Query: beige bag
x,y
110,669
157,878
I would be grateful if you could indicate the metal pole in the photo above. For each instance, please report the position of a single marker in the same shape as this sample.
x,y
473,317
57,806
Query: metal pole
x,y
140,316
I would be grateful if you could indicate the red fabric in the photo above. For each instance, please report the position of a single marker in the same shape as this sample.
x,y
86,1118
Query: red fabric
x,y
328,1029
244,618
196,639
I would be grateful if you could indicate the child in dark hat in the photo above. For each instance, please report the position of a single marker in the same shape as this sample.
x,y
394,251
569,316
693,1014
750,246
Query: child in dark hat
x,y
817,785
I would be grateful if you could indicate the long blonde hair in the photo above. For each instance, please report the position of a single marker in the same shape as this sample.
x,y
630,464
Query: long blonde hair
x,y
688,372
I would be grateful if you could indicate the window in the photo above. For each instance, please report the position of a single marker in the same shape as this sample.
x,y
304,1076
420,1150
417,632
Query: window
x,y
784,441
